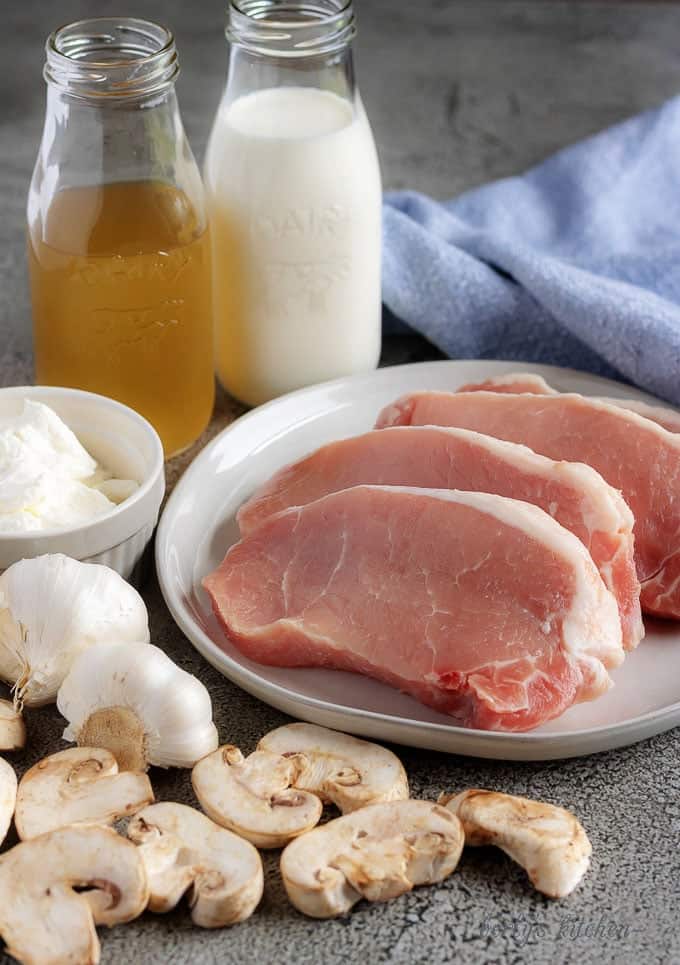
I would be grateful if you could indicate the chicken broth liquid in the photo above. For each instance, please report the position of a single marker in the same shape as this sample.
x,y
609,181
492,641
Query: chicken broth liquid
x,y
120,283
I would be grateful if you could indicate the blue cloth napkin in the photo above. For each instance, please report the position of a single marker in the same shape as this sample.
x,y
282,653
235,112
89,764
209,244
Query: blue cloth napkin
x,y
576,262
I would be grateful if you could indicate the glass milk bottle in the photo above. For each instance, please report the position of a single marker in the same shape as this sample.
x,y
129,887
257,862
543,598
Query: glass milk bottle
x,y
294,199
118,246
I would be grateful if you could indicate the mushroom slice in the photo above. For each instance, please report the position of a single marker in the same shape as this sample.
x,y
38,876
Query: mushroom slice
x,y
12,727
377,853
255,796
183,850
80,785
547,841
8,796
43,919
340,769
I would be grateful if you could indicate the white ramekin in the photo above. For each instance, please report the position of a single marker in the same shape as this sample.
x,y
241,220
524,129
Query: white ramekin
x,y
126,444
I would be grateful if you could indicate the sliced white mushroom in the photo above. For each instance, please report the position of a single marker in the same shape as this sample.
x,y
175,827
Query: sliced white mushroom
x,y
184,851
255,796
80,785
340,769
12,727
377,853
547,841
43,919
8,796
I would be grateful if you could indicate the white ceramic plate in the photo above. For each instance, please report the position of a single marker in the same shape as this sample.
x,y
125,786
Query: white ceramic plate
x,y
198,526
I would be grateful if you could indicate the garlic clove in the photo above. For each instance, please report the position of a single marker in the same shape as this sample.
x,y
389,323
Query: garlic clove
x,y
12,727
53,608
133,700
8,796
180,750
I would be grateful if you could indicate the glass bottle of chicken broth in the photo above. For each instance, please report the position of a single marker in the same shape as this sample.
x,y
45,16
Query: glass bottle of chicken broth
x,y
294,198
118,245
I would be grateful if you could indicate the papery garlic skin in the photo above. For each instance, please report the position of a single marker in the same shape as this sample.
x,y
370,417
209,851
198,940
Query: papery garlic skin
x,y
12,727
112,688
8,796
52,608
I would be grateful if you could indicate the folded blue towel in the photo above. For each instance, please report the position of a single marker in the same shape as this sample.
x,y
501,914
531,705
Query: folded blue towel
x,y
576,262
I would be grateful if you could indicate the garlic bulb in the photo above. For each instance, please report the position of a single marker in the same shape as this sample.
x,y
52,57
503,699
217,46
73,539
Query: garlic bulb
x,y
51,609
135,702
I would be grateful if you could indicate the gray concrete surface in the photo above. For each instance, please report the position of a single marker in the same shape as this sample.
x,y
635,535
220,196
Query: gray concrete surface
x,y
458,93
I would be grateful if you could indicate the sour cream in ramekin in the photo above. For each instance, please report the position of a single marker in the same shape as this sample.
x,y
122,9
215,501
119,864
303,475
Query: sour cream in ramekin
x,y
48,479
115,437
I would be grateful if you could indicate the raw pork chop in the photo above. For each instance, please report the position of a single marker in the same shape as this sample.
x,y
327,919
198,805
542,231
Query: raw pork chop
x,y
514,384
517,382
480,606
443,458
633,454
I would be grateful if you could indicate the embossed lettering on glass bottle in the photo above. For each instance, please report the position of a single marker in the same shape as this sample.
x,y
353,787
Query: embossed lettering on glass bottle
x,y
295,200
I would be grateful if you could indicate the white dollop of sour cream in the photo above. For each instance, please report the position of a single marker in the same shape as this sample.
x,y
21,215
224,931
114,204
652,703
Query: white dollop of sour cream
x,y
48,479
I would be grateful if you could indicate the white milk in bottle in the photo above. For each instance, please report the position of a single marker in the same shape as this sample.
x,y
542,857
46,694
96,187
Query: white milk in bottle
x,y
295,200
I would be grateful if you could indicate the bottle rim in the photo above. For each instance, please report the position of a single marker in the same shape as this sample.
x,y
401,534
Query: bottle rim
x,y
291,28
111,57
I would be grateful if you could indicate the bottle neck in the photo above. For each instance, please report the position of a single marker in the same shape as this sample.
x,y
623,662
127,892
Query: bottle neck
x,y
112,112
111,61
291,43
82,145
295,30
249,73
